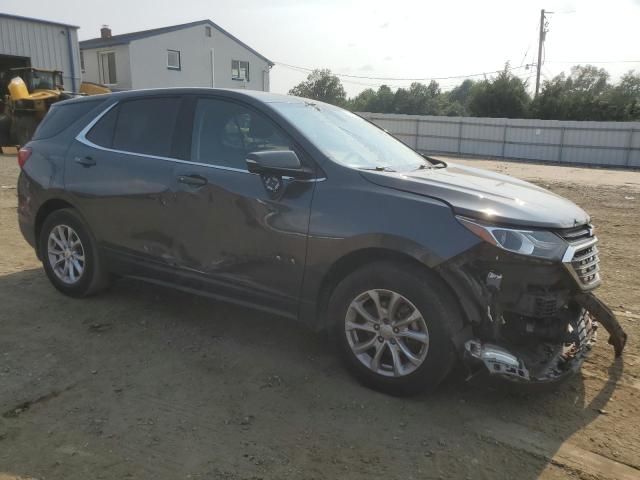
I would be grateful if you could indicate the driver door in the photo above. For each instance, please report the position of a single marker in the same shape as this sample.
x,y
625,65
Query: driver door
x,y
244,239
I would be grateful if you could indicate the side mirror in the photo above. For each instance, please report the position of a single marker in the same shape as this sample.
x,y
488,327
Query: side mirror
x,y
283,163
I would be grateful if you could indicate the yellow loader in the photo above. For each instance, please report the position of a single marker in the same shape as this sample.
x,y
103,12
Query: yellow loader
x,y
28,93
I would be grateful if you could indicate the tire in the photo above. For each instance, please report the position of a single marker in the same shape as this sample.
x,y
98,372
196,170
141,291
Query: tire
x,y
418,289
22,129
5,129
68,225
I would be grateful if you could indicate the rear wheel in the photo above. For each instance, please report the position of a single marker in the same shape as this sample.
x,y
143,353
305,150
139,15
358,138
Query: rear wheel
x,y
391,323
22,129
70,256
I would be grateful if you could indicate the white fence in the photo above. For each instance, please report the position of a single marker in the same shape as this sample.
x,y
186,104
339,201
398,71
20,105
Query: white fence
x,y
591,143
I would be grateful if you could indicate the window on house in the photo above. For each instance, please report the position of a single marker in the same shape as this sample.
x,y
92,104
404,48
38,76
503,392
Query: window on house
x,y
207,31
82,61
173,60
107,65
239,70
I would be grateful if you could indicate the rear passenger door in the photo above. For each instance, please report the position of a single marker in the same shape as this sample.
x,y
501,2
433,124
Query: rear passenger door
x,y
243,236
119,172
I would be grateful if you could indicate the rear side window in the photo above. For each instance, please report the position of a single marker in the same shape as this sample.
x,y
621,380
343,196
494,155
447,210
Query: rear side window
x,y
102,132
60,117
139,126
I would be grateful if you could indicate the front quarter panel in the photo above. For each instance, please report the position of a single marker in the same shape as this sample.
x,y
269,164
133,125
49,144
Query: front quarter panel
x,y
351,214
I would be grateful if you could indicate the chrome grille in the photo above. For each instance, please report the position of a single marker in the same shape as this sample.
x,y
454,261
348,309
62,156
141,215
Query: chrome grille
x,y
576,234
582,258
585,263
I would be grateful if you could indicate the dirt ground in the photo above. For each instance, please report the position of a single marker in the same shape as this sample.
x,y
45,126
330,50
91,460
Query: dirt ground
x,y
142,382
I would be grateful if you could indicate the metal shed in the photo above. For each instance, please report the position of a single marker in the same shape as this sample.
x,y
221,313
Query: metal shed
x,y
31,42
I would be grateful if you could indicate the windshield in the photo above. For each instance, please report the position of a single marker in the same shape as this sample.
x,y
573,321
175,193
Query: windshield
x,y
38,80
348,139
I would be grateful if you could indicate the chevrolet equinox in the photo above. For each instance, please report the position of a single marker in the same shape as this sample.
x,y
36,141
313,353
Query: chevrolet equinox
x,y
306,210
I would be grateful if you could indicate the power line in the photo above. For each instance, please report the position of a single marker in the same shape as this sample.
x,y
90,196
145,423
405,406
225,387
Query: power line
x,y
396,79
348,78
595,63
447,85
524,58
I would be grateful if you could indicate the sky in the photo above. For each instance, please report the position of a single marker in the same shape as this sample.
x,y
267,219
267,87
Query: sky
x,y
399,39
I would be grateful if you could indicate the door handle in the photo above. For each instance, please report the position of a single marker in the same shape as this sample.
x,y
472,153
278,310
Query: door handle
x,y
85,161
192,180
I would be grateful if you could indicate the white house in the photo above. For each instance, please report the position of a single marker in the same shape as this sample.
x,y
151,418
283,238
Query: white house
x,y
197,54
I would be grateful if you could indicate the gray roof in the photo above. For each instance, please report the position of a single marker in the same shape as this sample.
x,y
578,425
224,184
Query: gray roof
x,y
129,37
38,20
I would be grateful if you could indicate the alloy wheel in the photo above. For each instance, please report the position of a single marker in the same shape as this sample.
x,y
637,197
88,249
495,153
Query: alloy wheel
x,y
387,332
66,254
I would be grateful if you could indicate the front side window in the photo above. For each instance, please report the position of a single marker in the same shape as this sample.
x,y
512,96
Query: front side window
x,y
239,70
142,126
173,60
107,65
224,133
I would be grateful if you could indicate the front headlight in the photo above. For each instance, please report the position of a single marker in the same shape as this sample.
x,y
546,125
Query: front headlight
x,y
534,243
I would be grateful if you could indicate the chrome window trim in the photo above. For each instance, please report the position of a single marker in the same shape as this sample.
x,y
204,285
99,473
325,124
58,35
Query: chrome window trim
x,y
82,138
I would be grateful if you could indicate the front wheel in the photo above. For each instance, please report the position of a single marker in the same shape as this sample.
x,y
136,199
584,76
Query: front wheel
x,y
70,256
391,323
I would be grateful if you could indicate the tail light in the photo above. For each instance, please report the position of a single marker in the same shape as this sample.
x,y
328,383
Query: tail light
x,y
23,155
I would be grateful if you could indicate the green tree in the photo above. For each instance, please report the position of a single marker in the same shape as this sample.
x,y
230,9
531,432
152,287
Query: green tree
x,y
383,102
455,103
321,85
504,96
418,99
624,98
462,92
363,102
584,95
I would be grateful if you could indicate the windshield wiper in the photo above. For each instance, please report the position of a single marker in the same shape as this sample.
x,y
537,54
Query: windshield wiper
x,y
433,162
378,169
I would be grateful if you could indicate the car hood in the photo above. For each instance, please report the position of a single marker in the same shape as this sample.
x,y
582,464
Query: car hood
x,y
485,195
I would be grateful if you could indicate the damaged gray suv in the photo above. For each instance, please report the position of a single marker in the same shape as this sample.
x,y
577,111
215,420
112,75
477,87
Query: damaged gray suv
x,y
308,211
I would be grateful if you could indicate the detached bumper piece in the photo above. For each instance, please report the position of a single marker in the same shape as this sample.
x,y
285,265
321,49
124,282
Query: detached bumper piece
x,y
498,360
539,363
604,315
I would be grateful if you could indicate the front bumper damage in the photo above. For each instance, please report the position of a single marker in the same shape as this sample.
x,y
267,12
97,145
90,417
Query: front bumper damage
x,y
530,321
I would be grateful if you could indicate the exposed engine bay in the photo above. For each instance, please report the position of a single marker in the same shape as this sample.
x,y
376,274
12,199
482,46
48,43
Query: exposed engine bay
x,y
531,320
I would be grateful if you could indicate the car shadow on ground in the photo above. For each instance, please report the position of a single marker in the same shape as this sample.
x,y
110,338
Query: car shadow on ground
x,y
260,382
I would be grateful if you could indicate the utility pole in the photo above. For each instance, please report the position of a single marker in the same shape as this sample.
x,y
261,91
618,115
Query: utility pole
x,y
543,34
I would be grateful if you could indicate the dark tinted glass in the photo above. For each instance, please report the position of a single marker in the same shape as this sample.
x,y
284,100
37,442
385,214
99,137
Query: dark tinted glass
x,y
102,132
146,125
61,116
225,132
